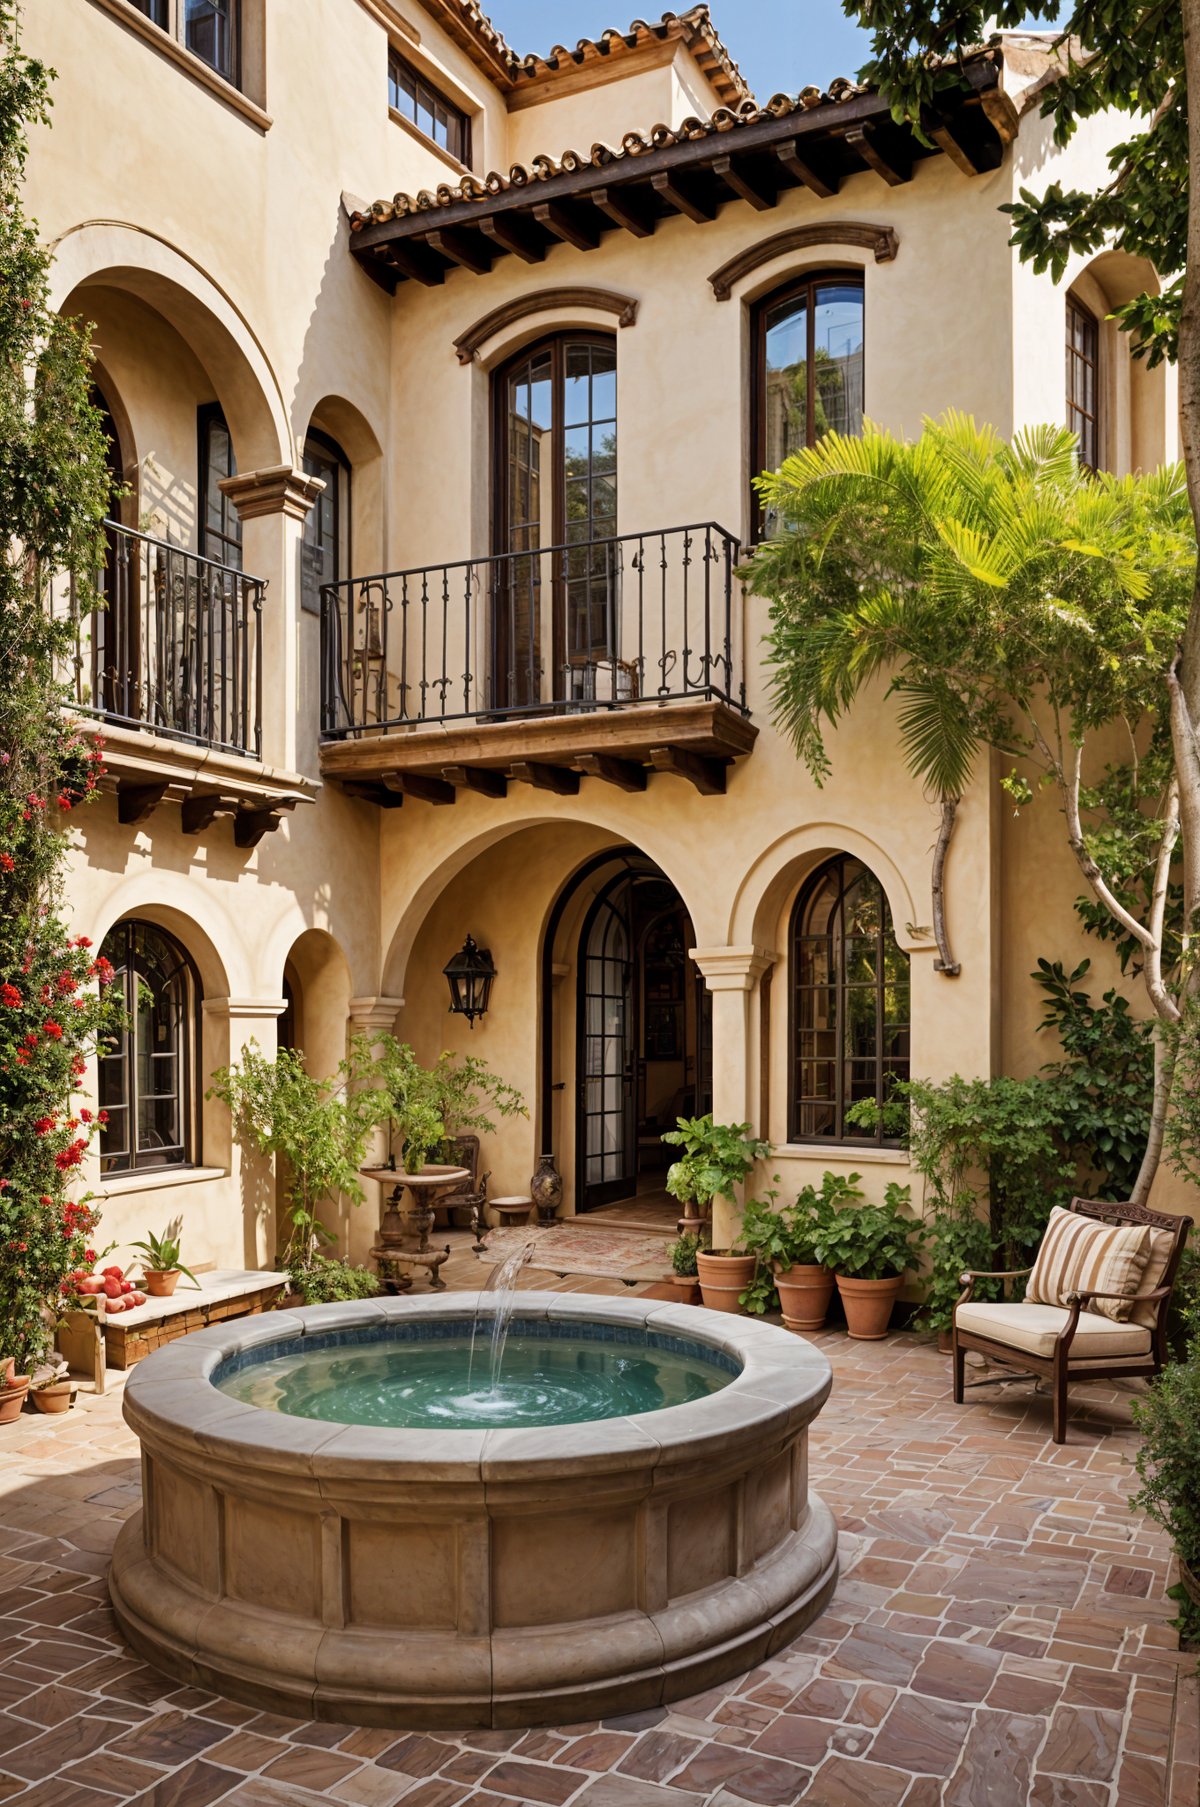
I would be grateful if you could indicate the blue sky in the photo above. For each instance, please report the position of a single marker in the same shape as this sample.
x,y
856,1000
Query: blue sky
x,y
779,44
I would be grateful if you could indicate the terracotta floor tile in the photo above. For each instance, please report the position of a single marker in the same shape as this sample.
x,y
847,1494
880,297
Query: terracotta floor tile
x,y
197,1784
925,1736
841,1782
310,1768
761,1779
996,1766
533,1782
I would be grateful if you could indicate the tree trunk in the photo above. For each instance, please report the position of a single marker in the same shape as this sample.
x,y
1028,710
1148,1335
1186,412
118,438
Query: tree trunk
x,y
1164,1080
1186,714
945,962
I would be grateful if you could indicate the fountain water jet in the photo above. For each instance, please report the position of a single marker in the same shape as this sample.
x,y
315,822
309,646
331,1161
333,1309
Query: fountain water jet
x,y
501,1284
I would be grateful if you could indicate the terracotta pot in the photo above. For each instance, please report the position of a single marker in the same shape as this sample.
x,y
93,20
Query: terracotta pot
x,y
805,1290
161,1281
12,1398
689,1224
8,1367
868,1306
56,1397
685,1287
723,1275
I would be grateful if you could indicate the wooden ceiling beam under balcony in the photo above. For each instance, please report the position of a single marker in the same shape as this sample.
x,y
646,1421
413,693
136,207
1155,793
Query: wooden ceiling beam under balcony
x,y
559,779
741,175
626,774
480,779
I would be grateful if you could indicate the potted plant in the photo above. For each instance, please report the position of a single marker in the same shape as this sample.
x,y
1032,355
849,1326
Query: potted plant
x,y
717,1158
161,1264
51,1387
785,1242
1168,1465
870,1248
326,1280
13,1390
683,1252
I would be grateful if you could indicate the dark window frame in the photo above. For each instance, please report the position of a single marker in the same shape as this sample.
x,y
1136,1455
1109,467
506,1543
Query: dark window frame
x,y
841,864
342,512
132,1158
170,17
794,289
1086,426
208,415
426,96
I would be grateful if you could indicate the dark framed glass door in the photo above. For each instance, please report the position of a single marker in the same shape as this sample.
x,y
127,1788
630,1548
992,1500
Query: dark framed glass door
x,y
607,1045
556,589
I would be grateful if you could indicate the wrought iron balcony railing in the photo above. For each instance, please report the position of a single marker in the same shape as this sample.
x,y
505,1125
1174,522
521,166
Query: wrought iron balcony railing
x,y
177,646
643,618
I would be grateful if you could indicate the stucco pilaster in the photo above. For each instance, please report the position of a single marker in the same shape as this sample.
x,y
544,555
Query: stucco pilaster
x,y
230,1025
732,975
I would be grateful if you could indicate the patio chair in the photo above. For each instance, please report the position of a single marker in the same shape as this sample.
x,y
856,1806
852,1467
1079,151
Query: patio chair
x,y
464,1208
1071,1340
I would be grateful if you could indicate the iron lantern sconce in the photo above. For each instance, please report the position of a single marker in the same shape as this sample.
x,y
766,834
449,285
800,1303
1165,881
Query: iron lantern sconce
x,y
470,976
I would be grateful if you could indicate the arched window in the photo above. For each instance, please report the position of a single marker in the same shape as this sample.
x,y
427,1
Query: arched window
x,y
1083,381
808,368
148,1073
325,544
849,1005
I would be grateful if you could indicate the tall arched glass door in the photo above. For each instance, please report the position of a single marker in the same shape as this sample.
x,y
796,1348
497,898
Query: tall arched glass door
x,y
606,1047
556,592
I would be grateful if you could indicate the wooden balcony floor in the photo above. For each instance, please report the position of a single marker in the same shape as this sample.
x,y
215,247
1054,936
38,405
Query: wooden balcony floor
x,y
696,740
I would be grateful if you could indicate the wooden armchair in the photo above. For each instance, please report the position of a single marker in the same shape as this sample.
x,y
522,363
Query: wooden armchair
x,y
1061,1343
464,1209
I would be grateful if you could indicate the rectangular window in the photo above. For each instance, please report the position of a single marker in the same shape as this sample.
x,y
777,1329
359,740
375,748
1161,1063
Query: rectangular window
x,y
208,28
220,527
1083,382
439,119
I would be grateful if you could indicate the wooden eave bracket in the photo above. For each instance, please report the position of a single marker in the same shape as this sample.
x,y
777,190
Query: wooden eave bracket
x,y
200,808
708,775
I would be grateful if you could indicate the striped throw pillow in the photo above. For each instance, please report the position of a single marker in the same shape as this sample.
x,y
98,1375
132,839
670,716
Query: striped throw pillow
x,y
1080,1255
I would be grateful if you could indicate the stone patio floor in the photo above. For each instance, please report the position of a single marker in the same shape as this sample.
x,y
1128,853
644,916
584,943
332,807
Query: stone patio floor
x,y
999,1636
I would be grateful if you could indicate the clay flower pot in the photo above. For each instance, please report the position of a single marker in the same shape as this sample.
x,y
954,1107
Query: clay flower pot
x,y
8,1368
804,1294
161,1281
684,1285
12,1398
868,1305
724,1274
56,1397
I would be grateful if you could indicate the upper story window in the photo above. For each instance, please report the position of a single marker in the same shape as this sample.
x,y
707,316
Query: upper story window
x,y
849,1005
208,28
220,524
325,546
148,1072
807,370
420,103
1083,381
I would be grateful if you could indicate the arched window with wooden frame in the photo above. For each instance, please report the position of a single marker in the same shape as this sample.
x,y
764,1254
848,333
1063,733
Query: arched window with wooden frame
x,y
1083,381
806,370
149,1071
849,1007
325,541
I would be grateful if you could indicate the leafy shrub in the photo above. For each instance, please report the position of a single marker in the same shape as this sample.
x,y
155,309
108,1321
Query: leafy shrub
x,y
716,1159
781,1238
871,1242
1104,1088
324,1280
683,1252
1168,1465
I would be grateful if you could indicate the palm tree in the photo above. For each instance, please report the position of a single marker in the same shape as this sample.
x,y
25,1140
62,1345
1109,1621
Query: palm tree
x,y
1016,603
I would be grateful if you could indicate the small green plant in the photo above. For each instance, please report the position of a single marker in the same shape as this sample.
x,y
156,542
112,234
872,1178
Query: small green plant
x,y
871,1242
459,1095
161,1255
1168,1466
787,1237
683,1252
716,1159
325,1280
957,1241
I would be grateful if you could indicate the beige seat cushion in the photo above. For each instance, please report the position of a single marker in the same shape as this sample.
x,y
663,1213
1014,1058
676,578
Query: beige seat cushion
x,y
1034,1329
1080,1254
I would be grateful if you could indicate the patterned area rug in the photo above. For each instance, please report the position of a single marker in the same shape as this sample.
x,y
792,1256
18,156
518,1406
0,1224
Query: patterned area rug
x,y
607,1254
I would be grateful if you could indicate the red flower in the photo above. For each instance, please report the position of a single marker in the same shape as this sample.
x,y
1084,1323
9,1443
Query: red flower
x,y
83,941
7,861
11,996
91,1257
53,1030
43,1126
85,1115
103,1117
64,802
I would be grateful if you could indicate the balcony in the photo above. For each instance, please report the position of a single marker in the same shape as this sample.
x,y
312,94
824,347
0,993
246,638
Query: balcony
x,y
607,658
171,664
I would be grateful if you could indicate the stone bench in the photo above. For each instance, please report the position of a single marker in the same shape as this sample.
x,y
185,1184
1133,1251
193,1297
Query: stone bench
x,y
92,1341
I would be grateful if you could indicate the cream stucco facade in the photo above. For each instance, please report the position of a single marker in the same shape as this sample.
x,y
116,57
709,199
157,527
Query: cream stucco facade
x,y
205,230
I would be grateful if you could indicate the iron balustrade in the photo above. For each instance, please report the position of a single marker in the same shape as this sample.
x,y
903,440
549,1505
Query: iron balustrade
x,y
597,624
176,646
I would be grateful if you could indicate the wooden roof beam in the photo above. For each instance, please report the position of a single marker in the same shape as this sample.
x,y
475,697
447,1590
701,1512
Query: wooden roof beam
x,y
461,249
681,194
708,775
739,176
953,143
410,258
893,161
555,778
511,234
805,172
478,778
421,786
626,774
568,224
626,210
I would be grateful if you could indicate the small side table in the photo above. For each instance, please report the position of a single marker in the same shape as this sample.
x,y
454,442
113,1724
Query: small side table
x,y
512,1210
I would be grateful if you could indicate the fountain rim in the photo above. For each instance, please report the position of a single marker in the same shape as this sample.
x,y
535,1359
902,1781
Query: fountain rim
x,y
170,1396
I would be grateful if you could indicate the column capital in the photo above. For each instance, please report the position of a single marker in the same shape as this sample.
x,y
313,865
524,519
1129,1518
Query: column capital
x,y
377,1013
276,489
244,1007
732,968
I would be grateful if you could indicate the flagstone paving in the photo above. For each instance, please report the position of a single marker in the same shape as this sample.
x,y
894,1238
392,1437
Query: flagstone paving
x,y
1000,1636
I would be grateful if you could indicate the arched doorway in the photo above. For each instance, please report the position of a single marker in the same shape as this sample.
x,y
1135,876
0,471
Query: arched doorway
x,y
640,1031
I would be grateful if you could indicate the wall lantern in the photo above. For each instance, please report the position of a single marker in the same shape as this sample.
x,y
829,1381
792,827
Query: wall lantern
x,y
470,976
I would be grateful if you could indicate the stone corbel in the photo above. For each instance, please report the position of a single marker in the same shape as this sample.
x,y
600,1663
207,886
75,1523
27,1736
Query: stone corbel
x,y
377,1013
732,968
261,1009
276,489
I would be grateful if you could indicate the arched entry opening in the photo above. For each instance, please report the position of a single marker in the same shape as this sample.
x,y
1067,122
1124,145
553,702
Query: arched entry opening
x,y
633,1030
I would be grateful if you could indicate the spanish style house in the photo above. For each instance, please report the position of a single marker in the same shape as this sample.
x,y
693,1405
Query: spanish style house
x,y
436,378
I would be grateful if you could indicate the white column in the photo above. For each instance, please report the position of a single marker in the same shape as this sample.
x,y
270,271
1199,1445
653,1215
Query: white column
x,y
372,1017
229,1025
272,505
732,975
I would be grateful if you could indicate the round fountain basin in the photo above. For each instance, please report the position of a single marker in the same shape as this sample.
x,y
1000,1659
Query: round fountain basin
x,y
298,1554
411,1374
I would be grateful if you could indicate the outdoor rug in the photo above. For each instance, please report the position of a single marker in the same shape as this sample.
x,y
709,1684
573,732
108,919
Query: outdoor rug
x,y
606,1254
